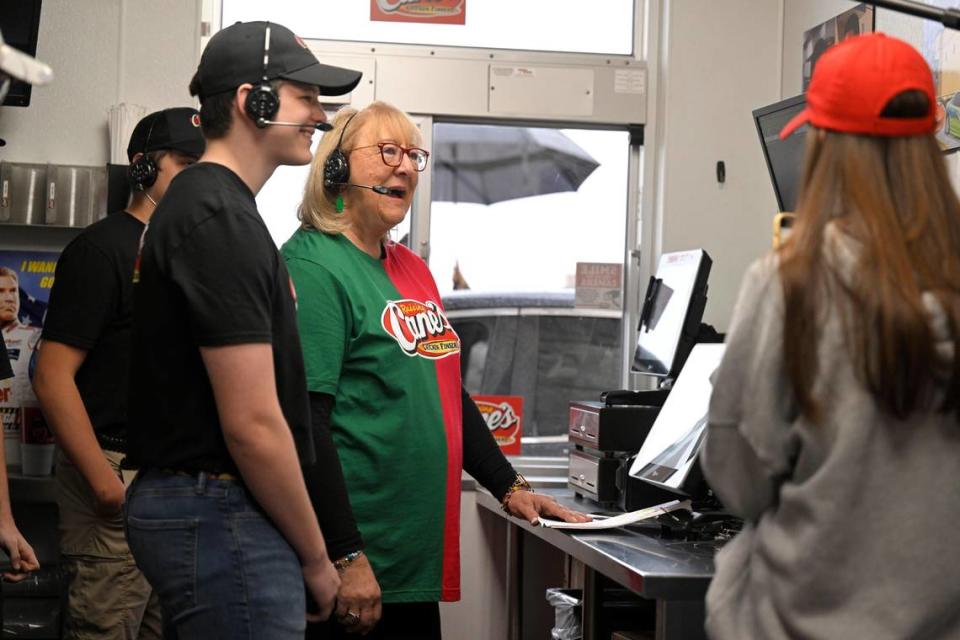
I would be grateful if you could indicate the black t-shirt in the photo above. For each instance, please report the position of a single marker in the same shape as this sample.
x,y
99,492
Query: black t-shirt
x,y
91,308
210,275
6,371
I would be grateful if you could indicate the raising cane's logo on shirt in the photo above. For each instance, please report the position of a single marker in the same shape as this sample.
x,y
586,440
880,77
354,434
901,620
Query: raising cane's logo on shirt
x,y
421,329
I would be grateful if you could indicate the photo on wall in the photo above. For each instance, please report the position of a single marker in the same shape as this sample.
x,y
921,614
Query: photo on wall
x,y
25,281
948,122
940,47
853,22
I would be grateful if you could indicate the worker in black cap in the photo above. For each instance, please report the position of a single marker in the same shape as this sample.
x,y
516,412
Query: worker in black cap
x,y
219,518
81,382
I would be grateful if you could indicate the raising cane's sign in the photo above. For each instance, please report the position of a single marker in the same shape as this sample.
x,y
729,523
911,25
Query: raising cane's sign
x,y
435,11
504,418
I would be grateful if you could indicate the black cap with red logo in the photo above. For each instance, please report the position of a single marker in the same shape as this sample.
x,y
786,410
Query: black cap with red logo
x,y
240,54
176,129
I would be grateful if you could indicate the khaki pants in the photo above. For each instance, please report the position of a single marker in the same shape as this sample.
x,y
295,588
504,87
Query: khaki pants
x,y
108,597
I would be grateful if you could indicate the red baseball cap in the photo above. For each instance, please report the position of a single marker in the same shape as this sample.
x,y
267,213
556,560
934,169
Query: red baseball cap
x,y
853,82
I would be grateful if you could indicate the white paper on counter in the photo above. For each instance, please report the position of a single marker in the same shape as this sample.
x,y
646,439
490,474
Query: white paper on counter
x,y
621,520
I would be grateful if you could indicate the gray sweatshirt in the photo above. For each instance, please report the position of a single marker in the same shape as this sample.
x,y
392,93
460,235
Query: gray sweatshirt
x,y
852,526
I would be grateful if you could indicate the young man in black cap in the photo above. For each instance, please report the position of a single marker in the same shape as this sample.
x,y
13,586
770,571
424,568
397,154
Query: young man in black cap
x,y
219,518
81,380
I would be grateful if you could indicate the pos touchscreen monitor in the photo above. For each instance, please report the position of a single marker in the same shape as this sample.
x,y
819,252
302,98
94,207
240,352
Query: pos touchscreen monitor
x,y
672,310
669,453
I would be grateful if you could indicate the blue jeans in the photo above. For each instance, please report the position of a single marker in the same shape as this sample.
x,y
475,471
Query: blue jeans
x,y
219,565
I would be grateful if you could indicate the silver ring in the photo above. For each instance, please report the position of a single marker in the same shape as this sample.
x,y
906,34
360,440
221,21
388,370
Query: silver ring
x,y
350,618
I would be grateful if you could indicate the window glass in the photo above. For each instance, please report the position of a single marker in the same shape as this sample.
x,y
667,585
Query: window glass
x,y
531,25
513,211
576,211
280,196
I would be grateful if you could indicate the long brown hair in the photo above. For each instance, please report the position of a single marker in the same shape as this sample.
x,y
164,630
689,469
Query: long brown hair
x,y
892,196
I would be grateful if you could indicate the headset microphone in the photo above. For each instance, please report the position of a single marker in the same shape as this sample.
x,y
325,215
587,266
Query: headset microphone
x,y
377,188
319,126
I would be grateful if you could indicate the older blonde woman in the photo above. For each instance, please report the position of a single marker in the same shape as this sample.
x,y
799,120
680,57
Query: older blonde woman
x,y
383,369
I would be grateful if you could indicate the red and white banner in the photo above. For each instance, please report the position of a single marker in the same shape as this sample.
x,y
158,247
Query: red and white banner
x,y
432,11
504,418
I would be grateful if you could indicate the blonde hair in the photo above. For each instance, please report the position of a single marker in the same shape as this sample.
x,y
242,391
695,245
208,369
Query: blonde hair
x,y
318,208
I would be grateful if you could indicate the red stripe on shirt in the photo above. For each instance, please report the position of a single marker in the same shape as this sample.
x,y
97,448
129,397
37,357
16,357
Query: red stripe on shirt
x,y
413,280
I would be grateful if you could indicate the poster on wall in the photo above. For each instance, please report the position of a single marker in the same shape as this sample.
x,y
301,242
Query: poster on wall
x,y
25,281
853,22
941,49
599,285
504,418
430,11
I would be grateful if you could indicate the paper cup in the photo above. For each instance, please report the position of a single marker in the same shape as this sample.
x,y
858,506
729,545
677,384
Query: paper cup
x,y
10,417
36,445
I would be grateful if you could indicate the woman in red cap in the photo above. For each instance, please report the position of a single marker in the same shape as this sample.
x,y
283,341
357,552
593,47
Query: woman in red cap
x,y
835,419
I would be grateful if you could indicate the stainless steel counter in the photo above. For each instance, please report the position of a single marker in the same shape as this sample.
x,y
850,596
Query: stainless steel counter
x,y
675,573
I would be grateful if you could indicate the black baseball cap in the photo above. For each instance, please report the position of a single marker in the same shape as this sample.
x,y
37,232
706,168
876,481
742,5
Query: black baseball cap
x,y
177,129
235,55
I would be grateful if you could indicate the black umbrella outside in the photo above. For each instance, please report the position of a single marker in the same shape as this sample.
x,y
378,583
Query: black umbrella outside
x,y
488,163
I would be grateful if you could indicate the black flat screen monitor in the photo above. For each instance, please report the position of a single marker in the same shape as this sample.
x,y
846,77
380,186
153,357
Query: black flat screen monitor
x,y
20,23
672,310
784,157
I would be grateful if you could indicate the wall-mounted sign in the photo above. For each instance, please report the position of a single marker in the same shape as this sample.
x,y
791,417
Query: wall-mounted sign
x,y
599,285
433,11
504,418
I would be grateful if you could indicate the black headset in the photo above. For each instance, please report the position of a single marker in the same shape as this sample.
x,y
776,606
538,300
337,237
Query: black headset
x,y
263,102
336,169
142,173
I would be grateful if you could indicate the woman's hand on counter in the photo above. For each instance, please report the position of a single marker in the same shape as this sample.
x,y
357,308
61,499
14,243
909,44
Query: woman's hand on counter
x,y
530,506
22,558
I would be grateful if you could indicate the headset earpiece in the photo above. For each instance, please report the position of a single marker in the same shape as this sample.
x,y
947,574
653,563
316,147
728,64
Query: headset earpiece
x,y
336,168
263,102
143,172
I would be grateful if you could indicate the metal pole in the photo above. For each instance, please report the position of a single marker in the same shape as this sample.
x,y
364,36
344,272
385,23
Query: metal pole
x,y
949,17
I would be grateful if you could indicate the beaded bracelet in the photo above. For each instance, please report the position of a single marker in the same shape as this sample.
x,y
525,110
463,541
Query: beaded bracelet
x,y
519,484
344,562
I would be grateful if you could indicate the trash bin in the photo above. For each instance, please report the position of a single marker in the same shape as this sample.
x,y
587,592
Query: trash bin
x,y
566,605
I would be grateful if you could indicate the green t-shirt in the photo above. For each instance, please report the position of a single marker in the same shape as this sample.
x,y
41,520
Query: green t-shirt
x,y
375,337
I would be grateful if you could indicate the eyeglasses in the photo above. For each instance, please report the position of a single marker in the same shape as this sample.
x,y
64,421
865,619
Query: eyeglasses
x,y
392,154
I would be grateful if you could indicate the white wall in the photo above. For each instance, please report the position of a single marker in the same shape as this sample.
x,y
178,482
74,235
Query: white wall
x,y
102,52
719,61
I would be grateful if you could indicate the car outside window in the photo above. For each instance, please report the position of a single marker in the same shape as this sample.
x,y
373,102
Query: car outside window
x,y
542,349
